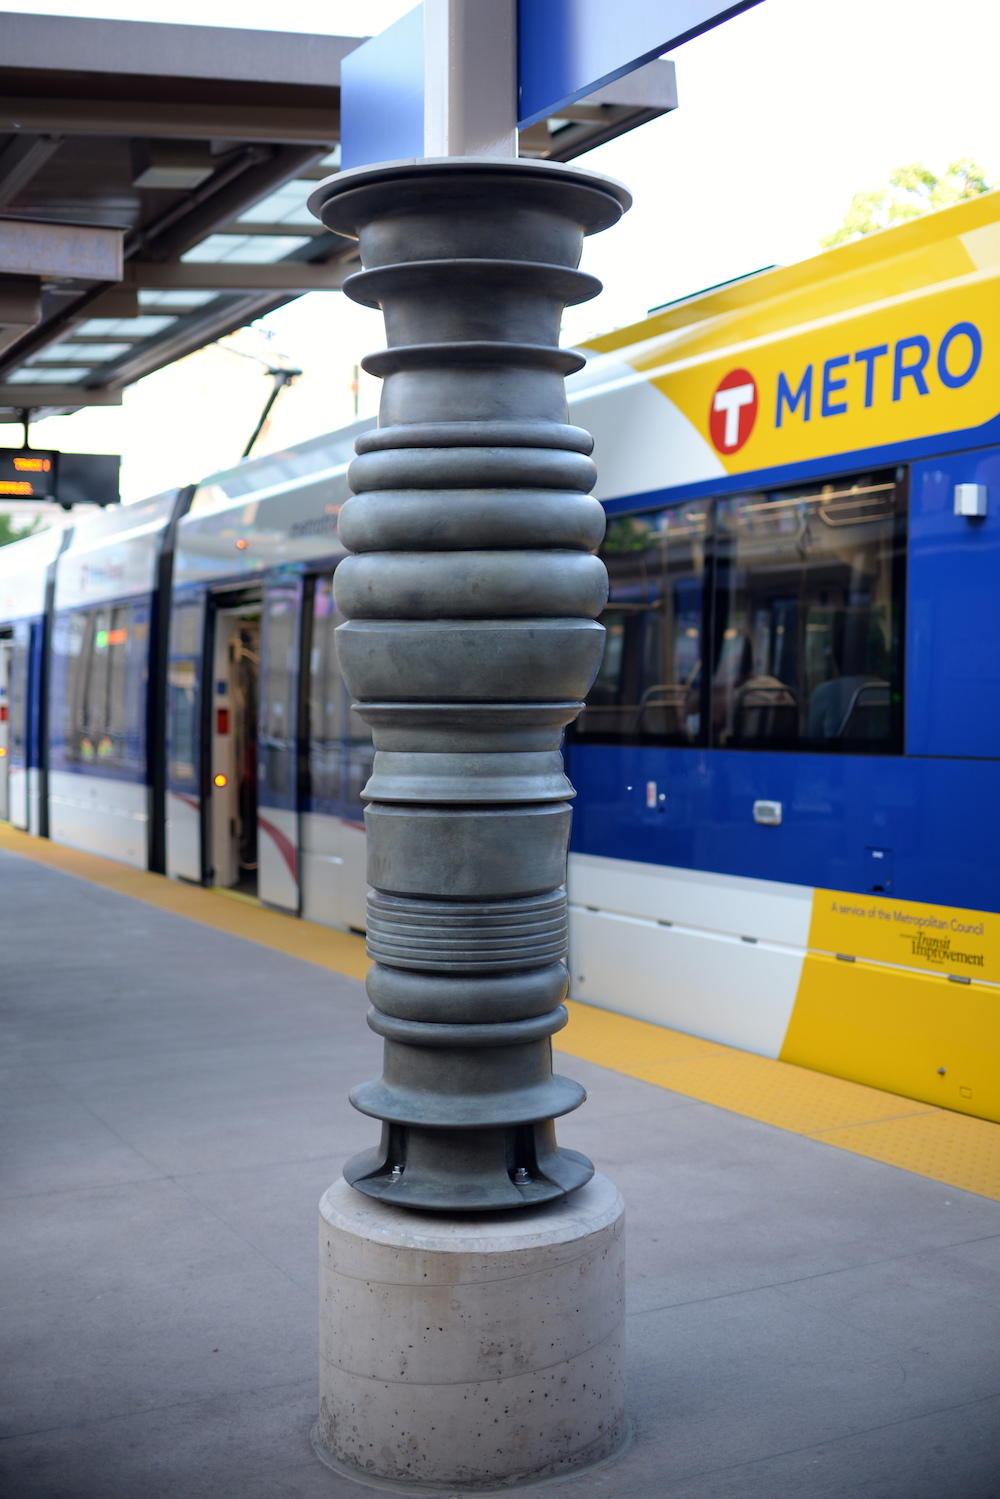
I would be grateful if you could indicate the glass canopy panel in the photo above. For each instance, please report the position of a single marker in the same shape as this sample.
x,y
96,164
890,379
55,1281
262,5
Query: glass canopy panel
x,y
253,249
91,352
265,247
130,327
36,376
286,206
152,297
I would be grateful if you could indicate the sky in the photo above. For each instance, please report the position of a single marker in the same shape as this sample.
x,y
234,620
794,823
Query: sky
x,y
785,112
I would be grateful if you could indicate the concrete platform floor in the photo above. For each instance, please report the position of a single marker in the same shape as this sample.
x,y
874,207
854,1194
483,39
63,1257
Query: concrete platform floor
x,y
805,1323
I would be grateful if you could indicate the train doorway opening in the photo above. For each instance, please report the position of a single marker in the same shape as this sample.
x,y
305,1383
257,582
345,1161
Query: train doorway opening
x,y
6,648
232,701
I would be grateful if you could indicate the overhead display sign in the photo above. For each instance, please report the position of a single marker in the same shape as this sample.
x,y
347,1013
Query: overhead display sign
x,y
66,478
27,475
566,49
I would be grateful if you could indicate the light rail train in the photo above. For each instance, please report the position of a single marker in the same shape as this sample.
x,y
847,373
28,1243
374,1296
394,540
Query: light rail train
x,y
788,768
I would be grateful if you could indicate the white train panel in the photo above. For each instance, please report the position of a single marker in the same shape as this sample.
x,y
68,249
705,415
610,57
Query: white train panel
x,y
278,857
100,815
741,907
333,872
113,554
18,795
5,662
639,434
707,984
183,837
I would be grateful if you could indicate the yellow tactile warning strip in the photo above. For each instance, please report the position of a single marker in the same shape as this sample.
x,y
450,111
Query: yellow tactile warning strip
x,y
947,1147
341,951
952,1148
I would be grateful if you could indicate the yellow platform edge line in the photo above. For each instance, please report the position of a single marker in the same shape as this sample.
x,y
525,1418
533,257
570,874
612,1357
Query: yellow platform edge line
x,y
957,1150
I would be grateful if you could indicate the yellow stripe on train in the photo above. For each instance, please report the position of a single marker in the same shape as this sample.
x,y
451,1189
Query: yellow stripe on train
x,y
906,933
905,1027
889,339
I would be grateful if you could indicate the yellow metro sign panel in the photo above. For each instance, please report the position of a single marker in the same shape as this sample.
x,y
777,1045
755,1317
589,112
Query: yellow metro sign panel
x,y
873,344
869,381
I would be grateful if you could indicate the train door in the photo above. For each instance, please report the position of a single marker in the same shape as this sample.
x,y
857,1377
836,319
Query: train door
x,y
22,756
230,818
185,678
278,815
6,650
335,764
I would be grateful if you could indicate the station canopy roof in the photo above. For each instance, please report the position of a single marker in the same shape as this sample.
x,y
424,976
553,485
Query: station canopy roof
x,y
153,185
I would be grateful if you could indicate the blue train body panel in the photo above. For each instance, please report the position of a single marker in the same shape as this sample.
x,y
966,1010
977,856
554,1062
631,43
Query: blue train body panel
x,y
939,818
953,609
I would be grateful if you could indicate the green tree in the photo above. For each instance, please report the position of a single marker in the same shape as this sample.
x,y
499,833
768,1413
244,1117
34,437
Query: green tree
x,y
628,535
9,532
910,192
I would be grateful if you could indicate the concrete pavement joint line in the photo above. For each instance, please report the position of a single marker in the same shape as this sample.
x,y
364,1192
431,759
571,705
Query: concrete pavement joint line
x,y
105,1124
231,1228
153,1410
166,1176
888,1119
849,1436
802,1280
161,1176
761,1088
292,1160
132,1181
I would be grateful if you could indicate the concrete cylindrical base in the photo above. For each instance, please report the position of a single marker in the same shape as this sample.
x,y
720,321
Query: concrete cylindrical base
x,y
472,1352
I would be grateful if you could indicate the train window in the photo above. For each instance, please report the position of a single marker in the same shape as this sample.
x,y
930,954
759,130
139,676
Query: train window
x,y
19,698
327,697
340,749
648,686
277,706
186,627
807,616
96,645
799,593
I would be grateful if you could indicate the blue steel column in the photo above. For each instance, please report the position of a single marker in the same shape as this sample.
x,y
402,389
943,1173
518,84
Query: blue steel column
x,y
471,599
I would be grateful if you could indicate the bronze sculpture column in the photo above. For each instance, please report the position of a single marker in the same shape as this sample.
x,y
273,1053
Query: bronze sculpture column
x,y
471,596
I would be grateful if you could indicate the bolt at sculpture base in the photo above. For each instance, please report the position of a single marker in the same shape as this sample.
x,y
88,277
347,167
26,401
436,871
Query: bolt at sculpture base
x,y
509,1169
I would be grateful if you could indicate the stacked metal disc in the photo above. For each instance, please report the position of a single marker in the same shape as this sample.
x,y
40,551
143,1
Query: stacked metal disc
x,y
471,595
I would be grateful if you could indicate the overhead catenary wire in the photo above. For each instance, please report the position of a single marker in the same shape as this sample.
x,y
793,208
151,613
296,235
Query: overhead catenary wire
x,y
281,375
